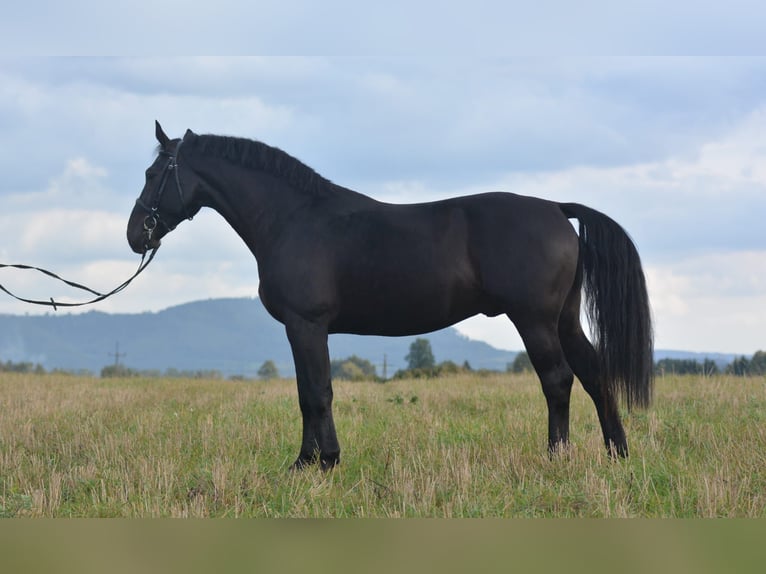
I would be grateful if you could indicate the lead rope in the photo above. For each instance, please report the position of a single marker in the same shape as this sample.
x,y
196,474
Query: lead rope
x,y
98,295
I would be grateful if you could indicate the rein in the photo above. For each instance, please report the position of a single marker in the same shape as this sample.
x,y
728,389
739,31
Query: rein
x,y
98,295
152,219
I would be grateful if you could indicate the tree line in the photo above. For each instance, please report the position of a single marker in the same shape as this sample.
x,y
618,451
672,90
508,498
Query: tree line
x,y
740,366
421,363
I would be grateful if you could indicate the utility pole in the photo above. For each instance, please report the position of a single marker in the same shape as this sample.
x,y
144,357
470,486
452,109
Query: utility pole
x,y
117,354
385,367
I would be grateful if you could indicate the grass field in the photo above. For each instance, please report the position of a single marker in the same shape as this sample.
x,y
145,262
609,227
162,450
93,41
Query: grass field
x,y
453,447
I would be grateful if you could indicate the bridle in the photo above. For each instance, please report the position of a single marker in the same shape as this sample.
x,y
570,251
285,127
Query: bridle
x,y
153,217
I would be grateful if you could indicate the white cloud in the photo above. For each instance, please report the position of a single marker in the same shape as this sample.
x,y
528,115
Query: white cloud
x,y
700,307
75,232
499,331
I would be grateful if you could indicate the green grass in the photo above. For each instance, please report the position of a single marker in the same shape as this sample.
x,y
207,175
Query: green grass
x,y
454,447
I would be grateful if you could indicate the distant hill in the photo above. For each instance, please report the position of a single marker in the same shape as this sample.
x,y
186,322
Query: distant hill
x,y
232,336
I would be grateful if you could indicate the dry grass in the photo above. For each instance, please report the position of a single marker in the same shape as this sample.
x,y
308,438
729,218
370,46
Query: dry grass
x,y
455,447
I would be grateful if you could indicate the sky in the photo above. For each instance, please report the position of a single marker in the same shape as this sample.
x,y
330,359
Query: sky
x,y
673,148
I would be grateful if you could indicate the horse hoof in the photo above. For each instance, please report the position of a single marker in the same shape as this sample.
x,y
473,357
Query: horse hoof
x,y
617,451
326,463
329,463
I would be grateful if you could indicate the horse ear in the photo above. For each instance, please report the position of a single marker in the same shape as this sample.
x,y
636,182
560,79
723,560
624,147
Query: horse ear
x,y
189,134
160,135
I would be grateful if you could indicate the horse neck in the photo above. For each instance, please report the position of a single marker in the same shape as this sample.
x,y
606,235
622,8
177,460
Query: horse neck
x,y
254,203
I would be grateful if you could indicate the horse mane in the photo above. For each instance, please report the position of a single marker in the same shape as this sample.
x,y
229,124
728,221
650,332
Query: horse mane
x,y
260,156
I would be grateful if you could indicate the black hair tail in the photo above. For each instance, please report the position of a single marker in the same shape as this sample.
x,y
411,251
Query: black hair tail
x,y
617,305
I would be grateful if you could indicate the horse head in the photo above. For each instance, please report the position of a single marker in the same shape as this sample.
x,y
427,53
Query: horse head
x,y
160,208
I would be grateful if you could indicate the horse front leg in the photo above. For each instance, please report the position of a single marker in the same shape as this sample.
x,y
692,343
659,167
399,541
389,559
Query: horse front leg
x,y
312,367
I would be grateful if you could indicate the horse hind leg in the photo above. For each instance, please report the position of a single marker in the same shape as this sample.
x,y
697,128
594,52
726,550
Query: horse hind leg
x,y
583,359
547,356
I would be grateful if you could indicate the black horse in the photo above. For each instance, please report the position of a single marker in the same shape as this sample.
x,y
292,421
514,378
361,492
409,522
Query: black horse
x,y
331,260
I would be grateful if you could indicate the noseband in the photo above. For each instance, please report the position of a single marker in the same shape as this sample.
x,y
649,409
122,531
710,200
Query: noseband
x,y
153,217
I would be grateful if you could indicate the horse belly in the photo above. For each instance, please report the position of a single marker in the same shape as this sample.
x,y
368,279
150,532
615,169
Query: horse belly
x,y
406,303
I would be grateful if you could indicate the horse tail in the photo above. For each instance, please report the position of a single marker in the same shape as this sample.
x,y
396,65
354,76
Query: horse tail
x,y
617,305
